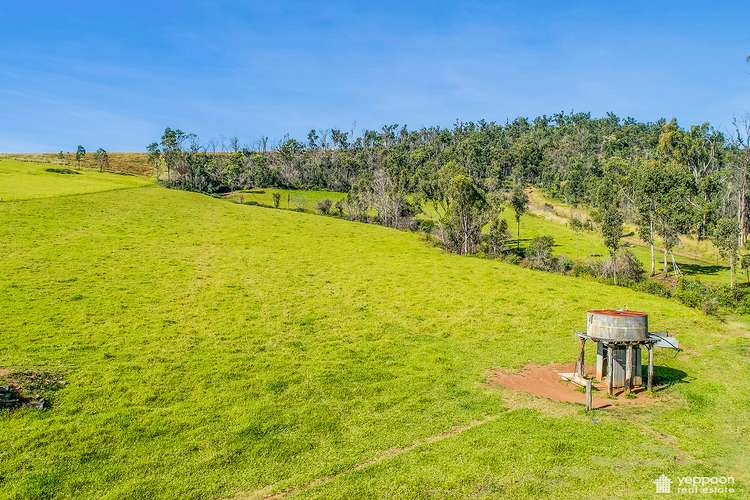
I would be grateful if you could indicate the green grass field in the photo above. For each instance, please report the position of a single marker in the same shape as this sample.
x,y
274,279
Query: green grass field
x,y
22,180
213,349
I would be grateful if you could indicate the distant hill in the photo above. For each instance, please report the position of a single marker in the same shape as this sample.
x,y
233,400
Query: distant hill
x,y
128,163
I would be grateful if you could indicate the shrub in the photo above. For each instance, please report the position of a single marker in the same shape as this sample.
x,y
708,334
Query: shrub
x,y
564,264
339,208
710,306
590,268
629,269
426,225
324,206
511,258
495,241
539,254
276,199
580,225
690,292
653,287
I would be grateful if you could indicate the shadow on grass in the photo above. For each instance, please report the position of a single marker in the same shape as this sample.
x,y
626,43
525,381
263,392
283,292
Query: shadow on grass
x,y
665,377
702,269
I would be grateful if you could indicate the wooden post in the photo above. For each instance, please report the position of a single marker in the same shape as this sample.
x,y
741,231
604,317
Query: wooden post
x,y
650,379
588,395
628,368
580,368
610,371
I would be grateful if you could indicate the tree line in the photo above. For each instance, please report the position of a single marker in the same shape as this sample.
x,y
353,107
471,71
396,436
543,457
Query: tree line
x,y
670,181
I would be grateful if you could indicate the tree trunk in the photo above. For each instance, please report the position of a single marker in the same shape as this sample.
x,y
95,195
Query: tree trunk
x,y
741,201
651,247
614,269
666,268
674,264
732,265
518,239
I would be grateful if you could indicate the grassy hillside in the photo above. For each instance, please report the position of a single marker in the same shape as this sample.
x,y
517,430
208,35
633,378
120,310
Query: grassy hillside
x,y
127,163
24,180
697,259
215,349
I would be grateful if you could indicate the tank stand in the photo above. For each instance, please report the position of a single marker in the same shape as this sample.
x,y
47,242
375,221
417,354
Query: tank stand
x,y
618,361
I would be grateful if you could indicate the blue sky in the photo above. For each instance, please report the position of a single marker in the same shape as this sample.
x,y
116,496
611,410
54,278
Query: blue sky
x,y
113,74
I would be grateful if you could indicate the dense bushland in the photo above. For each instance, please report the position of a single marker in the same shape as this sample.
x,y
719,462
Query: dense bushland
x,y
669,181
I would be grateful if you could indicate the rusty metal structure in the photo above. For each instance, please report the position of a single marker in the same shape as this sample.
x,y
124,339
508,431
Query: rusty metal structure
x,y
619,336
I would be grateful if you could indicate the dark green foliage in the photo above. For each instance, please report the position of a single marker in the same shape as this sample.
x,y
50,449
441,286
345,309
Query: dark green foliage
x,y
577,224
625,265
497,237
80,154
726,238
338,208
276,199
653,287
324,206
745,266
668,180
467,212
519,200
539,253
102,159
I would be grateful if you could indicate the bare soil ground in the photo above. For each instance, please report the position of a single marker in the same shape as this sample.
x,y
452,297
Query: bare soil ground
x,y
545,381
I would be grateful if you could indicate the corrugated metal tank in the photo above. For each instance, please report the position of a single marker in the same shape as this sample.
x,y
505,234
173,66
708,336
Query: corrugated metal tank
x,y
607,324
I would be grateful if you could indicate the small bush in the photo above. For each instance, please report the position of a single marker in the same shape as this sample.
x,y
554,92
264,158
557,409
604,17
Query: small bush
x,y
653,287
691,293
629,267
564,264
511,258
324,206
590,268
276,199
626,265
495,241
539,254
425,225
580,225
710,306
339,208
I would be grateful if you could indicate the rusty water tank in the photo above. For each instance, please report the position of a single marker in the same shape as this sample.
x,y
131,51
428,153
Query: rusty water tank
x,y
618,325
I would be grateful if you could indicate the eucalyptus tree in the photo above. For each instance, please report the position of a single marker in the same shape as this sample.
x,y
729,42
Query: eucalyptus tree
x,y
102,159
725,237
467,211
739,159
519,200
80,155
154,158
172,153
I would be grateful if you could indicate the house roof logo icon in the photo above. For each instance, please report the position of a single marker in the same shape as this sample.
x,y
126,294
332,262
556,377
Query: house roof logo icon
x,y
663,484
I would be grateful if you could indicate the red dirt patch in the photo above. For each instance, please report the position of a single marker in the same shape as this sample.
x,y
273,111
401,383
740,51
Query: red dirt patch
x,y
545,381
